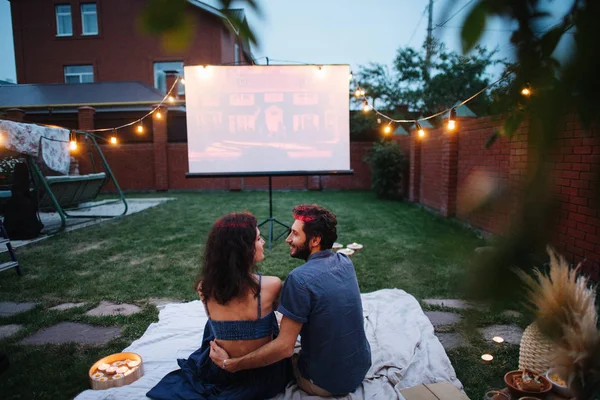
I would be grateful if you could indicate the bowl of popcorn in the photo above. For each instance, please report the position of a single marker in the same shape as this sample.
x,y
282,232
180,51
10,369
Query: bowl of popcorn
x,y
559,385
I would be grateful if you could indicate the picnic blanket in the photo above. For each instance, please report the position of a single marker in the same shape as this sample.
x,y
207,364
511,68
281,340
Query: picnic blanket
x,y
404,349
31,139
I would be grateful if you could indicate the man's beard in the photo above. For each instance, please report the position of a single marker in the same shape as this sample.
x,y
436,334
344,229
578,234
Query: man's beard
x,y
302,252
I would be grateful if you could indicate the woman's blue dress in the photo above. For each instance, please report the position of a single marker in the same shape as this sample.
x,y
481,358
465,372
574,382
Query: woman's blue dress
x,y
200,379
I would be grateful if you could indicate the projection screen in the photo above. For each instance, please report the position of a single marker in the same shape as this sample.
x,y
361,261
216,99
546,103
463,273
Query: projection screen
x,y
244,120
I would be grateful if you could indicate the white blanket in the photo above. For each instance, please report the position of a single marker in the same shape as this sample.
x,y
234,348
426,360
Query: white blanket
x,y
404,348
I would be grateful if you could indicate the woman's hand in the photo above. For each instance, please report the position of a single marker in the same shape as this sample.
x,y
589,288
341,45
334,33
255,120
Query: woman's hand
x,y
220,357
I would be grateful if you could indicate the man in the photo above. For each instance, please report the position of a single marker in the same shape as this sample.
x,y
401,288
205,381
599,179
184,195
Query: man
x,y
320,301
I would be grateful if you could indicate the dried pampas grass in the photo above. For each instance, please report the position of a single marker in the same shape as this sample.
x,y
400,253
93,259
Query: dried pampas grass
x,y
564,307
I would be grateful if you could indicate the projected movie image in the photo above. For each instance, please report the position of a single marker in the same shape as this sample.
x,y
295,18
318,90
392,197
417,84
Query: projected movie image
x,y
244,119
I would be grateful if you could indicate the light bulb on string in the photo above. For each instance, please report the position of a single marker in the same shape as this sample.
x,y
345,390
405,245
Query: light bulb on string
x,y
158,115
357,93
378,120
420,130
171,99
140,127
366,107
72,141
452,120
113,138
182,80
350,76
362,92
526,91
388,128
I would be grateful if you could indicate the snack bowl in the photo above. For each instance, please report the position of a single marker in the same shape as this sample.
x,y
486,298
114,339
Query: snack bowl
x,y
509,379
559,385
100,380
337,246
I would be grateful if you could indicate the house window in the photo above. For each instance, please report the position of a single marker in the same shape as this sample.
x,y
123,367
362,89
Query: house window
x,y
79,74
160,78
89,19
64,25
236,52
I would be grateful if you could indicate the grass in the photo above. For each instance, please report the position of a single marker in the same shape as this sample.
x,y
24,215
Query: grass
x,y
155,254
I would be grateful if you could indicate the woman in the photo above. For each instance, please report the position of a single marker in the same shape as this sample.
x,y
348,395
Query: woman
x,y
240,305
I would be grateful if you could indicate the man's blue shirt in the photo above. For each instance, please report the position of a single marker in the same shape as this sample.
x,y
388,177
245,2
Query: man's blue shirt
x,y
323,295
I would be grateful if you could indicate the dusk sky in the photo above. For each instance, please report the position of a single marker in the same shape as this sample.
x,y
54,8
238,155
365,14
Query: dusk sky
x,y
353,32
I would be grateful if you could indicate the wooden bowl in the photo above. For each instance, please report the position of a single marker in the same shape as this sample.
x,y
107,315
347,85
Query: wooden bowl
x,y
518,393
125,380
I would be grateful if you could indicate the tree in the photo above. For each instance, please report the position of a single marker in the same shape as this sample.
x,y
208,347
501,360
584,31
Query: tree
x,y
452,77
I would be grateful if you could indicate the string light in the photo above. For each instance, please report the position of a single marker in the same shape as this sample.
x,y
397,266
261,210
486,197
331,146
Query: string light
x,y
158,115
366,106
378,120
182,80
420,130
357,93
388,128
171,99
72,141
350,75
526,92
140,127
113,138
452,120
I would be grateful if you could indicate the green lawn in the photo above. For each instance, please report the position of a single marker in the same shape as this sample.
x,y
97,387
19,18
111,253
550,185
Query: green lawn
x,y
155,253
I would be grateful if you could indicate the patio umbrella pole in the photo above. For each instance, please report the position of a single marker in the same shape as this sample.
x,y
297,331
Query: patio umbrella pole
x,y
272,220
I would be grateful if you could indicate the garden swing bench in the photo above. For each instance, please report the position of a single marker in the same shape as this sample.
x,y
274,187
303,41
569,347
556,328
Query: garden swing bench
x,y
63,194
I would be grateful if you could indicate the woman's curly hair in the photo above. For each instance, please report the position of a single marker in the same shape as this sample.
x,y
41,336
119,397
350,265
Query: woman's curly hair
x,y
228,262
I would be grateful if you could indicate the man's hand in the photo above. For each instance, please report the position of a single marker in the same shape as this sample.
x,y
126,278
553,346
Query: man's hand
x,y
220,357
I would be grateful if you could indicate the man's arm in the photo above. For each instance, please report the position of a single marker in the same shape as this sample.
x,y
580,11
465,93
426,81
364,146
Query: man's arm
x,y
276,350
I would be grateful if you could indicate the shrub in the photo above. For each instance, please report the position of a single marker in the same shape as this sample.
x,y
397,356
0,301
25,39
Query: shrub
x,y
388,163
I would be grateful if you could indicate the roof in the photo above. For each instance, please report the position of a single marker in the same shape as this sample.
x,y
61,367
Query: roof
x,y
400,131
2,82
425,124
462,111
80,94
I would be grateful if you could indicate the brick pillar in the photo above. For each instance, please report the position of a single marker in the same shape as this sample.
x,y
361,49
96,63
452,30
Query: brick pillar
x,y
171,77
449,173
15,114
414,190
314,182
236,184
85,118
160,142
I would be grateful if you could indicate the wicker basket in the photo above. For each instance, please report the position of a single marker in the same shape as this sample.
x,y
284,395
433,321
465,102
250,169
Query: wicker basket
x,y
536,350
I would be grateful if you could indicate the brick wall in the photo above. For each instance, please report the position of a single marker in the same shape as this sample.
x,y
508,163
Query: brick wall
x,y
498,171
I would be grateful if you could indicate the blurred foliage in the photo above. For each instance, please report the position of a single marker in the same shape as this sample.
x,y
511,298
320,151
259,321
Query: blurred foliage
x,y
171,21
387,163
451,77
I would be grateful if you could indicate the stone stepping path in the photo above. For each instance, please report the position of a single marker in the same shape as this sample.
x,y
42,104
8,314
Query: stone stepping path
x,y
8,308
9,330
107,308
511,333
441,318
68,332
67,306
443,324
451,340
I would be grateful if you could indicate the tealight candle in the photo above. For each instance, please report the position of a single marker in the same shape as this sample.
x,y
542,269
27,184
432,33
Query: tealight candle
x,y
498,339
487,358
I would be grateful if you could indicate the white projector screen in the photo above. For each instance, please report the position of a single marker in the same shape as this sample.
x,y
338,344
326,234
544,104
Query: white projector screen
x,y
244,120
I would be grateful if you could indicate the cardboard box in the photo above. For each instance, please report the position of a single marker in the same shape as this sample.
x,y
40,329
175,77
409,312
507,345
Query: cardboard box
x,y
434,391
